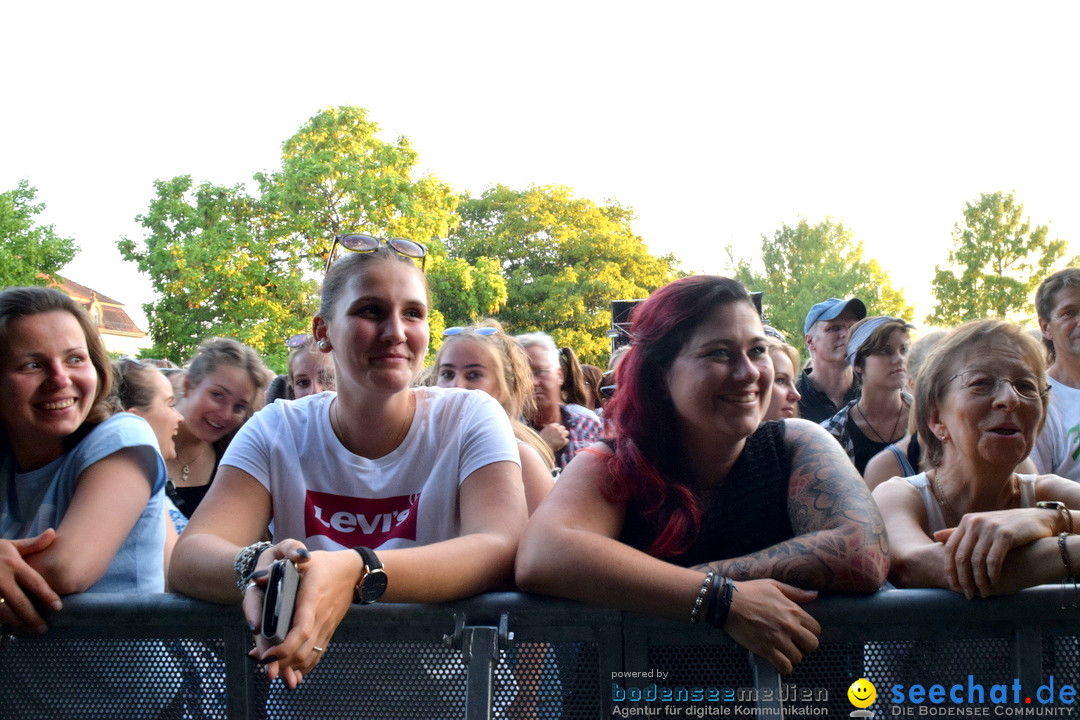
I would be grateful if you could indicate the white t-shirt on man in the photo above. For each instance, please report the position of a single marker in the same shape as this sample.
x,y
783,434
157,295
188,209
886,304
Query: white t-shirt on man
x,y
1057,449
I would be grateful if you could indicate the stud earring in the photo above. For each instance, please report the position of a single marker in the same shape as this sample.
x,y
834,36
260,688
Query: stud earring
x,y
324,345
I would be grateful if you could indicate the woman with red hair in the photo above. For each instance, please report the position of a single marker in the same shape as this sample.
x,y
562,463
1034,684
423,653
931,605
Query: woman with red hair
x,y
697,510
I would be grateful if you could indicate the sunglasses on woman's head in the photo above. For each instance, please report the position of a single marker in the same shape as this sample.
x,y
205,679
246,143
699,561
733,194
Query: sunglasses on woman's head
x,y
296,340
478,331
368,243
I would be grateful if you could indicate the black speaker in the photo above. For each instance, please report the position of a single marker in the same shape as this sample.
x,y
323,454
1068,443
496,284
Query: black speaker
x,y
620,332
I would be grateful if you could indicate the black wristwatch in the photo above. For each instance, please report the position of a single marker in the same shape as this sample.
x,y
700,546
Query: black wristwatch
x,y
373,582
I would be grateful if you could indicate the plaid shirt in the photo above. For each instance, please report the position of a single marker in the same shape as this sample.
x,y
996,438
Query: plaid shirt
x,y
584,429
837,427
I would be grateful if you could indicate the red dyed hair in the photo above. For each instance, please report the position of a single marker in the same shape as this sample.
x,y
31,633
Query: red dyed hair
x,y
648,465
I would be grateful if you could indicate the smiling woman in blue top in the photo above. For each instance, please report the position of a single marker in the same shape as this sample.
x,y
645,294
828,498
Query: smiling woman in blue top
x,y
80,490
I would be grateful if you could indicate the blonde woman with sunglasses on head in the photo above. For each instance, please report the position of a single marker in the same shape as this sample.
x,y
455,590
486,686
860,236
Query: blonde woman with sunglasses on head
x,y
380,491
484,358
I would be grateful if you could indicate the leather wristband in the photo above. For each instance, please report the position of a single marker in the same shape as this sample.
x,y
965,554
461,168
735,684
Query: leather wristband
x,y
373,579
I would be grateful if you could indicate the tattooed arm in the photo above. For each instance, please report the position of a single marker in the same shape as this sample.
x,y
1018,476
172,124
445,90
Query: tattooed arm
x,y
840,541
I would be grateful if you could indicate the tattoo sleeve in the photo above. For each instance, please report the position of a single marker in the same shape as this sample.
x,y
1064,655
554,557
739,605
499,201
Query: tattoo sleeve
x,y
840,542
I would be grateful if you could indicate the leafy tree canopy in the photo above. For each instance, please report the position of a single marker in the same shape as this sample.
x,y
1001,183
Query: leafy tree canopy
x,y
996,262
564,260
806,264
218,271
30,254
247,266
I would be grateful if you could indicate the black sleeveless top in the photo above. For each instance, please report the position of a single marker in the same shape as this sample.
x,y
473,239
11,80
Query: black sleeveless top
x,y
749,510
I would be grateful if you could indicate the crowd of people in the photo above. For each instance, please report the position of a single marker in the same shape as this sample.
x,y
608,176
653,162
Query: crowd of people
x,y
708,474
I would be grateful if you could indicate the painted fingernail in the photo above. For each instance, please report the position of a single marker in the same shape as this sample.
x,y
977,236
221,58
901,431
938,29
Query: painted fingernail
x,y
251,628
257,574
303,553
266,660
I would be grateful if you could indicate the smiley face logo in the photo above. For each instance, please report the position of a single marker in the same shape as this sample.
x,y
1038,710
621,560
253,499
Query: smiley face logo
x,y
862,693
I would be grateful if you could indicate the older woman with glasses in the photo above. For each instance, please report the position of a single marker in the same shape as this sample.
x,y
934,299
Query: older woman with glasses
x,y
380,491
970,522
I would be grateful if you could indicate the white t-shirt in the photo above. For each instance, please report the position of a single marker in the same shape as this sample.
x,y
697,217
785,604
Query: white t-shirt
x,y
1057,449
329,498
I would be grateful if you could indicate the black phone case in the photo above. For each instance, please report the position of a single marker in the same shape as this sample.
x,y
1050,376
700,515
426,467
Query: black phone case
x,y
279,600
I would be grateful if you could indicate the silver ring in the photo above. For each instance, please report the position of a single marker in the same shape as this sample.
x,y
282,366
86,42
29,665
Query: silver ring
x,y
249,586
316,648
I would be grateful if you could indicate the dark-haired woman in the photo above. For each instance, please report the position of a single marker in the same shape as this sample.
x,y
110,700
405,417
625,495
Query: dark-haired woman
x,y
877,350
696,510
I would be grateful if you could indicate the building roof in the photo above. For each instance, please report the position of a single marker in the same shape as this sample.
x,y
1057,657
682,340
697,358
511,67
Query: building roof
x,y
111,317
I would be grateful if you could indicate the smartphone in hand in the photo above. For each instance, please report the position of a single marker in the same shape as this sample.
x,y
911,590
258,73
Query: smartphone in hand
x,y
279,600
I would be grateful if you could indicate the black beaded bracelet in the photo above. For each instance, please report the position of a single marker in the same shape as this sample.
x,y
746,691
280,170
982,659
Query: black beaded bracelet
x,y
706,584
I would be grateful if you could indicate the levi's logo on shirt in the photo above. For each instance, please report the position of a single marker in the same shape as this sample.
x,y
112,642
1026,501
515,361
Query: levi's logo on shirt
x,y
352,521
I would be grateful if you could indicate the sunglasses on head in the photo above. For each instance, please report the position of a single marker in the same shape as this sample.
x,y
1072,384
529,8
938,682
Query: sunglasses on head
x,y
368,243
296,340
478,331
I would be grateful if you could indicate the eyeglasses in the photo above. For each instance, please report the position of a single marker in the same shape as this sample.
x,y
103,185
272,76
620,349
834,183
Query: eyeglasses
x,y
368,243
296,340
478,331
986,385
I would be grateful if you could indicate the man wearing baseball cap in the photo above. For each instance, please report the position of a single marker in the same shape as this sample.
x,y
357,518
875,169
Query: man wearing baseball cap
x,y
828,384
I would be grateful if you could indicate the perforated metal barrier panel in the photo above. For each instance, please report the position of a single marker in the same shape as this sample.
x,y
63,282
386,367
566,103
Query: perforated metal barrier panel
x,y
516,656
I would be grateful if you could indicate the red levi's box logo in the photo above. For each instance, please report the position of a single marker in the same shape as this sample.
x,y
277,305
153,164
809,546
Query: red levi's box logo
x,y
352,521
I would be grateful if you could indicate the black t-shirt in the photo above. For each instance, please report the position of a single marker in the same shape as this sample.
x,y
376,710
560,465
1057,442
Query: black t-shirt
x,y
815,405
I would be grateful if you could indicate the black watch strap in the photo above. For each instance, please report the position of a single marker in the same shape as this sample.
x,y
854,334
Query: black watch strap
x,y
373,582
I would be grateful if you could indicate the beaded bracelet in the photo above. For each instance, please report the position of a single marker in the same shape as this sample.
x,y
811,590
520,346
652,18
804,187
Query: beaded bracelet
x,y
705,585
244,564
1065,554
1069,577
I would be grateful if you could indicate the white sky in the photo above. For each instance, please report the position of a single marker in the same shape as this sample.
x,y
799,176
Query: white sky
x,y
716,121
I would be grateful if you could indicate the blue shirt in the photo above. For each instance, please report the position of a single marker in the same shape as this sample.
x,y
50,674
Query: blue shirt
x,y
34,501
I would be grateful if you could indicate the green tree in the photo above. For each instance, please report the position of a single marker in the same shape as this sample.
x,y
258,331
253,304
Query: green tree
x,y
229,263
30,254
218,272
806,264
337,176
996,262
564,259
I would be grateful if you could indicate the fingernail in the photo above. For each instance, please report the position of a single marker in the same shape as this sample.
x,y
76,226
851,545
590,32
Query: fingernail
x,y
251,628
42,629
257,574
303,553
266,660
57,606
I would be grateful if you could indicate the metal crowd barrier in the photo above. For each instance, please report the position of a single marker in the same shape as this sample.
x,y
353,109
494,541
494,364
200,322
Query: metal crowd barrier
x,y
509,655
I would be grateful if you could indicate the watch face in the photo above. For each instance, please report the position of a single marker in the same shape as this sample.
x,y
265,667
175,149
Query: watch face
x,y
372,587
